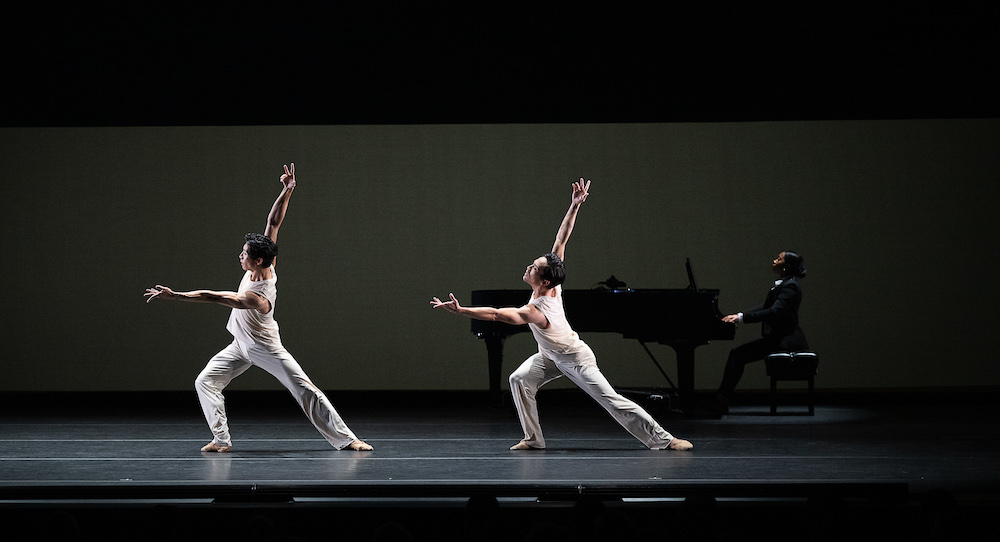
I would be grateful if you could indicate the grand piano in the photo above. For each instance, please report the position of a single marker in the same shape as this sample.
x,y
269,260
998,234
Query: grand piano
x,y
681,318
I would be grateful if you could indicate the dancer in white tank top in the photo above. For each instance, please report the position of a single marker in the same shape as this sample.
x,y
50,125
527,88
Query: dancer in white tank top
x,y
561,352
256,340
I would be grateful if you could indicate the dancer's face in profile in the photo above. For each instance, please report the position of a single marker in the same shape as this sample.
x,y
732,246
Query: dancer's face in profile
x,y
246,262
533,274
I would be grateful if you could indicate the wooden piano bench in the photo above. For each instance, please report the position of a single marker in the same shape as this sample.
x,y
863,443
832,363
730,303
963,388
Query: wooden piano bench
x,y
792,366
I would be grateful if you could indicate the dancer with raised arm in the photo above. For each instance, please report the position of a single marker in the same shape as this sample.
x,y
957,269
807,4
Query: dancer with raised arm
x,y
256,340
561,352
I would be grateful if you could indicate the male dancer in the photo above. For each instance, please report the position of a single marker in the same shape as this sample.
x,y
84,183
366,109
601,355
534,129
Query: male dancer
x,y
560,349
256,340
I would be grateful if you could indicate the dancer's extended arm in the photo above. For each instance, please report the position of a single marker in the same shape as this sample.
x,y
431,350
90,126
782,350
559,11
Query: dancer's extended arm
x,y
528,314
245,300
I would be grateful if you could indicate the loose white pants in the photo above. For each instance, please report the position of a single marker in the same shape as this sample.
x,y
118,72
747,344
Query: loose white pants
x,y
236,358
581,368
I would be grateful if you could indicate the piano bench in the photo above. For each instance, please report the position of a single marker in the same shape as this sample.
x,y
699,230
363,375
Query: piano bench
x,y
791,366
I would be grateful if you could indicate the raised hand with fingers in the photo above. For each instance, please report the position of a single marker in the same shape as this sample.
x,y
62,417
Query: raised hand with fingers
x,y
288,177
580,191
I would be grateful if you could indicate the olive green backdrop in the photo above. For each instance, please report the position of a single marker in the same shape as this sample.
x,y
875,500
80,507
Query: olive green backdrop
x,y
896,221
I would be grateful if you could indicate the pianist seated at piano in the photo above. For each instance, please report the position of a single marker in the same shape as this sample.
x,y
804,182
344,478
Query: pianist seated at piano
x,y
561,351
779,324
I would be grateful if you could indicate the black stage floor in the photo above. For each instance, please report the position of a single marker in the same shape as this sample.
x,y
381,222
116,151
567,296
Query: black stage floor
x,y
128,465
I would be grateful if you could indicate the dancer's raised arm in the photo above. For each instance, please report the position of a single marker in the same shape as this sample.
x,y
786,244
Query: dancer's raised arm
x,y
277,214
580,194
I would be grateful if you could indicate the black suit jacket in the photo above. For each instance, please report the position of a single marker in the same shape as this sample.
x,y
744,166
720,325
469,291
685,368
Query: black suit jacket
x,y
779,317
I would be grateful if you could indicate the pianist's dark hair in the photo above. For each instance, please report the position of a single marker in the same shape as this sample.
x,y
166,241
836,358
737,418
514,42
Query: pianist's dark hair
x,y
795,264
554,270
261,246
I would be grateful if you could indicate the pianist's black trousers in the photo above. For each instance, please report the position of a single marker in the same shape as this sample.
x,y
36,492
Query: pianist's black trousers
x,y
739,357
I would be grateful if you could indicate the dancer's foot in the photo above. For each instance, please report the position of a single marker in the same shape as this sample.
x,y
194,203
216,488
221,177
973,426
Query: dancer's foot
x,y
524,446
213,447
360,446
679,444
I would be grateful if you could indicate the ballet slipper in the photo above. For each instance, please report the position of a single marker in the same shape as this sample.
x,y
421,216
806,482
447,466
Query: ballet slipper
x,y
679,444
360,445
213,447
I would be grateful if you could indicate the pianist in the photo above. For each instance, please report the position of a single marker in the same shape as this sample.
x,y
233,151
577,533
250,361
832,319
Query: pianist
x,y
779,318
560,350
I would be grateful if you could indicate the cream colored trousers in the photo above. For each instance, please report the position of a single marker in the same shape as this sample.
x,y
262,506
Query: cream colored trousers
x,y
237,358
581,368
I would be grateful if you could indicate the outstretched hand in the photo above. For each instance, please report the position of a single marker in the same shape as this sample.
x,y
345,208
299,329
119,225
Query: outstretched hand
x,y
450,306
288,178
158,291
580,191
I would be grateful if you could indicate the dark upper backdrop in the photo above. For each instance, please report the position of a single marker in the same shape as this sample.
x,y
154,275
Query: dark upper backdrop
x,y
435,153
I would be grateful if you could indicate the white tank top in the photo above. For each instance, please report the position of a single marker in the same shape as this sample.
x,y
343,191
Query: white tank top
x,y
558,337
249,325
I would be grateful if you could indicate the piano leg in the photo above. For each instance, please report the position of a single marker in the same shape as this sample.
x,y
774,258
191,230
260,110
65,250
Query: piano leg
x,y
494,353
685,373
